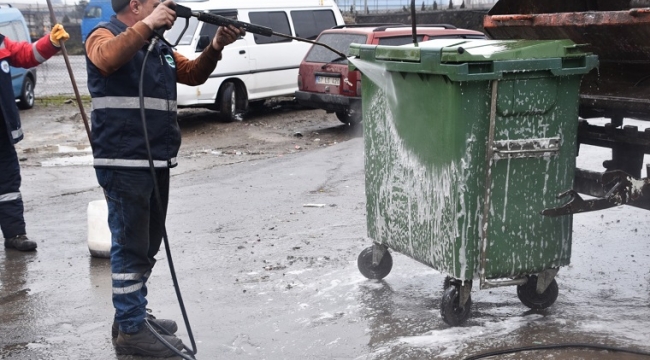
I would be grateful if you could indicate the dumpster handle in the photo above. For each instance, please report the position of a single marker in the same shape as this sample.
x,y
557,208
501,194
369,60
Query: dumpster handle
x,y
489,156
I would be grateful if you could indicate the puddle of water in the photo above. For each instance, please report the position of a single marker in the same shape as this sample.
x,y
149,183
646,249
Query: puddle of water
x,y
72,149
86,160
62,149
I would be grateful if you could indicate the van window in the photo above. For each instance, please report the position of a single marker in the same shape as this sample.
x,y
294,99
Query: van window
x,y
172,34
93,12
309,23
338,41
14,30
276,20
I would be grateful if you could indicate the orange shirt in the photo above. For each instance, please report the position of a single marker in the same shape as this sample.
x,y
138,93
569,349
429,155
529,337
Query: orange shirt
x,y
109,52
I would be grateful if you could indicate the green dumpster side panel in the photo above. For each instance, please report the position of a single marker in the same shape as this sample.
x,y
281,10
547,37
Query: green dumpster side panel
x,y
425,139
422,197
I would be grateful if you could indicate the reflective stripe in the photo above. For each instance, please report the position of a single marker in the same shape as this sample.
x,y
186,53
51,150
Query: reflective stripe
x,y
134,163
128,289
37,55
10,197
17,133
125,102
132,276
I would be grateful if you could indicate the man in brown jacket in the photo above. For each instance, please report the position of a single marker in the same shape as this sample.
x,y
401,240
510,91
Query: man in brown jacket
x,y
116,51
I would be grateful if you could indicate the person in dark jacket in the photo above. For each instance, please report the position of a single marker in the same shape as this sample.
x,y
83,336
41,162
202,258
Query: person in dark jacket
x,y
26,55
115,52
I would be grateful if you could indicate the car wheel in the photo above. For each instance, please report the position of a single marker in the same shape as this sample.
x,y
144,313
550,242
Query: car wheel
x,y
26,99
228,102
348,117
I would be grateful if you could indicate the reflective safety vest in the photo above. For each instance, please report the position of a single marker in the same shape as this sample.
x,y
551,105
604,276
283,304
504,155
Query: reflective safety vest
x,y
8,100
117,134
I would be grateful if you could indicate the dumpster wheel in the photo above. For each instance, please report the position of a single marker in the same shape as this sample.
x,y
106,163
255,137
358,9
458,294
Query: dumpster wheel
x,y
528,295
367,269
450,310
449,281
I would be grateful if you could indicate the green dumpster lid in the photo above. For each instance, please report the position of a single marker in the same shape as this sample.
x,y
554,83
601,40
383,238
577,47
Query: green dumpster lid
x,y
460,50
444,56
496,50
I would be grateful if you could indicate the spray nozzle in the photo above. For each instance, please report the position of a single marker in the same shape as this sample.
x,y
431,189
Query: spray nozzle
x,y
185,12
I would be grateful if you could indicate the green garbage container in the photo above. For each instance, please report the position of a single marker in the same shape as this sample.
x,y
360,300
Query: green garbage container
x,y
466,141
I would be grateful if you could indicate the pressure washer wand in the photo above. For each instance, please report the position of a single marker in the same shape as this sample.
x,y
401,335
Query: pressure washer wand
x,y
185,12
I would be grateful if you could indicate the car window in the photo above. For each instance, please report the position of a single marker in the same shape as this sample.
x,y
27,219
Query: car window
x,y
399,40
309,23
8,29
276,20
338,41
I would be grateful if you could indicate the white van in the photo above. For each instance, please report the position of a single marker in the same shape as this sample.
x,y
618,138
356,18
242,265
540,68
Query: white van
x,y
254,67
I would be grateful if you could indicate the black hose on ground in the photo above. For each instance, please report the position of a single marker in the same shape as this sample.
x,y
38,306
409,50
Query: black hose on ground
x,y
189,355
556,347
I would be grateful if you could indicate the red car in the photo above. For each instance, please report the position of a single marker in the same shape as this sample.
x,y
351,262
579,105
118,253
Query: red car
x,y
324,81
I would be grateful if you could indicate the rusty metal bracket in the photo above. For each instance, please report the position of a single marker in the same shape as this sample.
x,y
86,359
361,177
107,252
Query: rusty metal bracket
x,y
625,189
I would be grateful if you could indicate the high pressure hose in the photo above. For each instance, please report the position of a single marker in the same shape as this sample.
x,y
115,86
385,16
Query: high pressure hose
x,y
556,347
190,352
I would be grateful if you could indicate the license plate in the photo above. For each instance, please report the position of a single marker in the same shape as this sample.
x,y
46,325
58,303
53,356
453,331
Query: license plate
x,y
328,80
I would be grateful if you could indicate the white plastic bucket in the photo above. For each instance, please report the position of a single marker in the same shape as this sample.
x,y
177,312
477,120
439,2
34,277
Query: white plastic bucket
x,y
99,235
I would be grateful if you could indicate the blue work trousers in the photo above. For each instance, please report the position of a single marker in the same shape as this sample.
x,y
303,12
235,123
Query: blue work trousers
x,y
12,221
137,226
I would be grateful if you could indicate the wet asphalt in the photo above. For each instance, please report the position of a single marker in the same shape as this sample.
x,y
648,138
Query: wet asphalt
x,y
265,252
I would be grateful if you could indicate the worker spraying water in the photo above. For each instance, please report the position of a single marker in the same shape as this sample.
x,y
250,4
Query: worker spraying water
x,y
115,54
132,161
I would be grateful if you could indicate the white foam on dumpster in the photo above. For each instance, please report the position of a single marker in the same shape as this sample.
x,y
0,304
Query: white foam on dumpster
x,y
427,197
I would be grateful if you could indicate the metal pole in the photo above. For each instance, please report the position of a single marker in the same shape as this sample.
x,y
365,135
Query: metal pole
x,y
74,83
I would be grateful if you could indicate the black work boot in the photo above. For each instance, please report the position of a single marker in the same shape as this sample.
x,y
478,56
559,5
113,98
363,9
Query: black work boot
x,y
145,343
169,326
21,243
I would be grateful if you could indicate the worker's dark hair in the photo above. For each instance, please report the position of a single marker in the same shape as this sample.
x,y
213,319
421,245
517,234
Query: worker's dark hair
x,y
119,5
